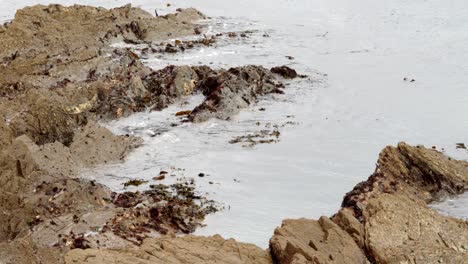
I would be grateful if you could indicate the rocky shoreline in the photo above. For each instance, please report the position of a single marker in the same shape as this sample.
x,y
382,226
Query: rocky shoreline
x,y
60,75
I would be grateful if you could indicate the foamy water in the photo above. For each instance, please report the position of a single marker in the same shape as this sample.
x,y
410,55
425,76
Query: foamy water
x,y
356,101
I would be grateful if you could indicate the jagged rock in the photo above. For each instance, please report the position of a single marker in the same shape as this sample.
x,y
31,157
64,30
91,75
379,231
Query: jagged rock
x,y
309,241
229,91
416,172
400,230
47,44
387,217
346,220
171,250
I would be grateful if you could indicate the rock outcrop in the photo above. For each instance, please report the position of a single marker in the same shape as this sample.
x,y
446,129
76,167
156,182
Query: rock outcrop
x,y
309,241
386,218
228,91
401,230
59,74
171,250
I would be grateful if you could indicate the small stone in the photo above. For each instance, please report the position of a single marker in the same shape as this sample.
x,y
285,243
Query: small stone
x,y
183,113
159,178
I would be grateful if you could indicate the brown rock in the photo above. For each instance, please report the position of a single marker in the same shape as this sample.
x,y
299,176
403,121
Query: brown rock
x,y
310,241
6,136
400,230
346,220
94,144
229,91
183,113
285,72
170,250
416,172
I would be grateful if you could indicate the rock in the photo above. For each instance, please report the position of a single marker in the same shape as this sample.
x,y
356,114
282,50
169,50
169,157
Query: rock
x,y
44,119
94,144
229,91
285,72
183,113
309,241
400,230
386,218
416,172
79,47
171,250
184,81
346,220
24,251
6,135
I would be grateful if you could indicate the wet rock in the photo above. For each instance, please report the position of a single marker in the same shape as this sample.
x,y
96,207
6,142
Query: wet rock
x,y
127,199
285,72
171,250
159,178
234,89
461,146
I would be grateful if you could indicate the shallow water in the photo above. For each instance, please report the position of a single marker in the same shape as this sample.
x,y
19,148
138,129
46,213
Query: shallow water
x,y
356,102
454,206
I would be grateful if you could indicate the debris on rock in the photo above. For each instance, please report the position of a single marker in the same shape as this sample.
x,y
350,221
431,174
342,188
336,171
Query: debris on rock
x,y
135,182
261,137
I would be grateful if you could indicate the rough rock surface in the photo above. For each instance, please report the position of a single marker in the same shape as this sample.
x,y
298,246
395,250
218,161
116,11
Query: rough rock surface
x,y
228,91
309,241
416,172
386,218
44,45
170,250
400,230
59,74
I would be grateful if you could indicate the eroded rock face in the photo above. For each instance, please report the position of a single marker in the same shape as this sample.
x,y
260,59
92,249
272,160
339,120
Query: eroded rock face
x,y
309,241
416,172
47,44
400,230
59,74
170,250
386,218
